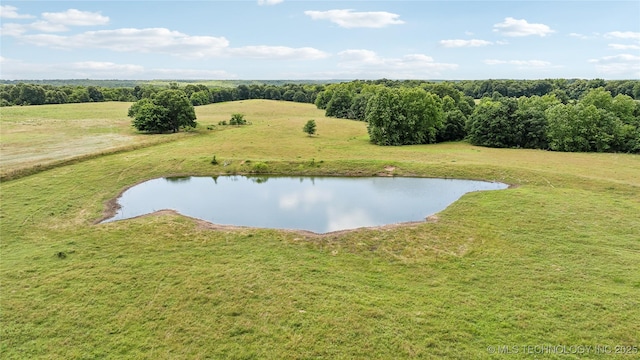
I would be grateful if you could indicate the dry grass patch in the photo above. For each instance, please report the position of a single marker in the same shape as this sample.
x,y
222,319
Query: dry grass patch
x,y
41,136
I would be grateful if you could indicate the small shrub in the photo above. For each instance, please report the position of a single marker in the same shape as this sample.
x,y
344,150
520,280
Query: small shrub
x,y
223,123
237,119
310,127
314,163
260,167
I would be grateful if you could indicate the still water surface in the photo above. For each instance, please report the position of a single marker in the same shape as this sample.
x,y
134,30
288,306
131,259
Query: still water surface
x,y
318,204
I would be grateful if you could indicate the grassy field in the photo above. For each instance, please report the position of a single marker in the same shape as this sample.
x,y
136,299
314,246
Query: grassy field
x,y
51,135
552,261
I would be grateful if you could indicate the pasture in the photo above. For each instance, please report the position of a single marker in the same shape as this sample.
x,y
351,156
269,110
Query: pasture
x,y
551,261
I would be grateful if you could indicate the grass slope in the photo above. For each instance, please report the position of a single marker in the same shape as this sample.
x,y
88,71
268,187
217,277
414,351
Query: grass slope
x,y
33,139
552,261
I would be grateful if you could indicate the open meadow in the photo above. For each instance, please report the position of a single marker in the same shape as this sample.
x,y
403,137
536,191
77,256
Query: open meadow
x,y
551,261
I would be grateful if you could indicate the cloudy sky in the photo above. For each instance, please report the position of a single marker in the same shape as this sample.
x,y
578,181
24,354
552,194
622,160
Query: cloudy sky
x,y
288,39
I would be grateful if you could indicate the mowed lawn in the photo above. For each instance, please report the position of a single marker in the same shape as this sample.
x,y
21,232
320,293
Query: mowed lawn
x,y
552,261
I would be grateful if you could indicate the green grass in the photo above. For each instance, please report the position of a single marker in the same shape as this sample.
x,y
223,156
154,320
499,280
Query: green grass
x,y
551,261
51,135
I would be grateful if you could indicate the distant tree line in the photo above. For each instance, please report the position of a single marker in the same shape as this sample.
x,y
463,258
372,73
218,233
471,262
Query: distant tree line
x,y
597,122
564,89
424,113
162,83
75,91
198,94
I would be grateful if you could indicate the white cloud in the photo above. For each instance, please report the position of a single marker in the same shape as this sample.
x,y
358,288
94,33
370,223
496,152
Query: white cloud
x,y
360,55
269,2
13,69
520,63
579,36
624,46
278,52
624,35
60,21
616,59
464,43
17,69
366,63
55,22
11,12
633,37
74,17
620,65
515,27
348,18
103,66
165,41
12,29
48,26
150,40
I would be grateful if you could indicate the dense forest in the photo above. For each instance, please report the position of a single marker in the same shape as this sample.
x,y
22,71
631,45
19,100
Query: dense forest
x,y
593,118
552,114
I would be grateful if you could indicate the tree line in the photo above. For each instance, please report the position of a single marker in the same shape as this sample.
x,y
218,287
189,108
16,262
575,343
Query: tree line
x,y
73,91
435,112
198,94
598,122
564,89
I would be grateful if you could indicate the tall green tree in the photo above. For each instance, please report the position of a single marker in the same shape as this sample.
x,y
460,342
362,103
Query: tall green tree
x,y
299,96
56,97
79,95
168,110
383,116
241,92
583,127
403,116
530,118
95,94
200,98
272,93
358,108
453,126
149,117
31,94
340,103
323,98
492,124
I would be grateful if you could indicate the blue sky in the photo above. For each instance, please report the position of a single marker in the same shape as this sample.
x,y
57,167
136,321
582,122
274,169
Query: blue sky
x,y
287,39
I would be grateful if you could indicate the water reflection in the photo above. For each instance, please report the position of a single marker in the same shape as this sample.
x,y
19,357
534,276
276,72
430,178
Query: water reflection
x,y
319,204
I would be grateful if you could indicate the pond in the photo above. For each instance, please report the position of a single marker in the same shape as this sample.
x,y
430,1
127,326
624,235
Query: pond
x,y
317,204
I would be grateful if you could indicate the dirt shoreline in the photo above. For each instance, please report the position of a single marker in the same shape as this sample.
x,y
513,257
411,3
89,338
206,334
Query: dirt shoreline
x,y
203,224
